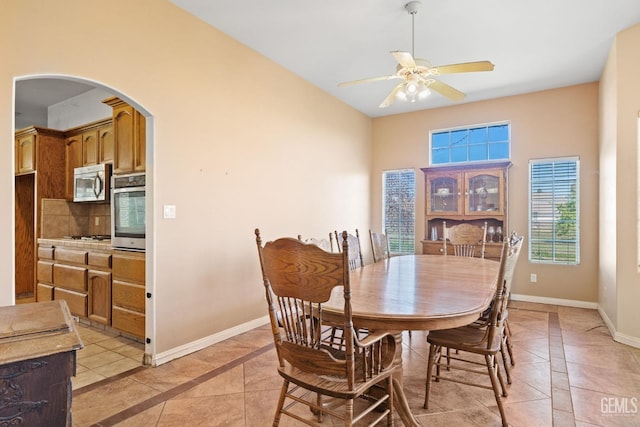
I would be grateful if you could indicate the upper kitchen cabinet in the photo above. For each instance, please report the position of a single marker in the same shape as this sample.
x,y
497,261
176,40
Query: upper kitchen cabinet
x,y
34,146
86,145
129,130
469,193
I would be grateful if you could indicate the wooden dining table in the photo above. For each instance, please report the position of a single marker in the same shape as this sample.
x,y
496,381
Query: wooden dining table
x,y
416,292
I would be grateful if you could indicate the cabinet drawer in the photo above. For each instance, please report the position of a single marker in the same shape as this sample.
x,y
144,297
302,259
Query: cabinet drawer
x,y
128,295
129,268
44,292
99,259
71,255
128,321
76,301
70,277
45,271
45,253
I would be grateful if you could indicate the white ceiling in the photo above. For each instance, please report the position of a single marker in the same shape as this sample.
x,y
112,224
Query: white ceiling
x,y
535,45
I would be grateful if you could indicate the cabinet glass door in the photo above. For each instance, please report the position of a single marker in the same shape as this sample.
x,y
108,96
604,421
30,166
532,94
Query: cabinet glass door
x,y
484,194
443,194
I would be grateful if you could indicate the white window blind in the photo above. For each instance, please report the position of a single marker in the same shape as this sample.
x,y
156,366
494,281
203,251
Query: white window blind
x,y
554,213
399,209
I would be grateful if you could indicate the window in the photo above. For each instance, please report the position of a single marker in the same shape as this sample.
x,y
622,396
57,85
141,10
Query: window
x,y
471,144
399,207
554,213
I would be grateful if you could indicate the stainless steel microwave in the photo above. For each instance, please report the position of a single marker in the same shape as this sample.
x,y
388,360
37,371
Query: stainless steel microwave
x,y
91,183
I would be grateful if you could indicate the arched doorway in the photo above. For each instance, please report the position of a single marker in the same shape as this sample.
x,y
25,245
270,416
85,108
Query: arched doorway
x,y
69,103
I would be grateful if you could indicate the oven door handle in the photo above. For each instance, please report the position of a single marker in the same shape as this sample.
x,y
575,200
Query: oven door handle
x,y
97,185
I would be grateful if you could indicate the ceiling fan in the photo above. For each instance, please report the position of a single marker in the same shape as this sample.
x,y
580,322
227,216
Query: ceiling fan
x,y
417,73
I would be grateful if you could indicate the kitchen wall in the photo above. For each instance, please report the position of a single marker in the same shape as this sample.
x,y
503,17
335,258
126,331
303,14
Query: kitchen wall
x,y
553,123
63,218
277,153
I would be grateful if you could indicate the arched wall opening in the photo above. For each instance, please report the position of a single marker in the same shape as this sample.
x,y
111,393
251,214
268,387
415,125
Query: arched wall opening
x,y
63,119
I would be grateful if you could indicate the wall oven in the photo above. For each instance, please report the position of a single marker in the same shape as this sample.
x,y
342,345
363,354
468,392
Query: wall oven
x,y
128,212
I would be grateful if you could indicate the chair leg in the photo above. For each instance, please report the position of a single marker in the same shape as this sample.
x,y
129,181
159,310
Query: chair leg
x,y
434,351
507,331
503,353
283,393
493,373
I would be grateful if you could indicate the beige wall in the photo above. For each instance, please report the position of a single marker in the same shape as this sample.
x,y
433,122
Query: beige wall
x,y
239,143
620,279
553,123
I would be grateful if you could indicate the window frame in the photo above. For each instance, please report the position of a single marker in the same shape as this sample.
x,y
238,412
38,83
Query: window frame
x,y
534,243
469,128
397,244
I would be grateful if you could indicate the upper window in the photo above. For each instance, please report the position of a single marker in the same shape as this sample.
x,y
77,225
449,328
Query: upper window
x,y
471,144
554,211
399,209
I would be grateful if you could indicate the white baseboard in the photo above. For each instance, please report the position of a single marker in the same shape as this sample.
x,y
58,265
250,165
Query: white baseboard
x,y
555,301
617,336
193,346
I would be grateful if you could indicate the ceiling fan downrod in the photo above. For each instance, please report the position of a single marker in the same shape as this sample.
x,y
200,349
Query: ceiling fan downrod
x,y
412,7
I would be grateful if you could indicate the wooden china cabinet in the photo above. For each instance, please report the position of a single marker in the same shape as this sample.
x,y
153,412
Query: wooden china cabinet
x,y
471,193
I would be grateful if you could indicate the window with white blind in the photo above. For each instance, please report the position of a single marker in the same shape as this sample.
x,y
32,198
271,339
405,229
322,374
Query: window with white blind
x,y
554,211
399,209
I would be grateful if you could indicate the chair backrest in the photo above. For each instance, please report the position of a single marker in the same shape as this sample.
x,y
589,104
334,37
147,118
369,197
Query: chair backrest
x,y
511,249
464,238
298,278
379,246
355,253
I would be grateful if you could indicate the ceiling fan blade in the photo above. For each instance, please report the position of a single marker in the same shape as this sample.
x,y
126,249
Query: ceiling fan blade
x,y
465,67
370,79
391,97
446,90
404,59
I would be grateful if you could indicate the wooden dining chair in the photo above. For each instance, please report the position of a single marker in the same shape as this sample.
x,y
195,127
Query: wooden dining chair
x,y
464,238
298,279
355,251
486,341
379,246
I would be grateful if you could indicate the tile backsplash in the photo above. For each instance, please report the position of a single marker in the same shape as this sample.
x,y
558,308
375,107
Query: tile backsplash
x,y
63,218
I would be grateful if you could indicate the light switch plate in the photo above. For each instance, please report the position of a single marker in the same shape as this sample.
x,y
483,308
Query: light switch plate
x,y
169,211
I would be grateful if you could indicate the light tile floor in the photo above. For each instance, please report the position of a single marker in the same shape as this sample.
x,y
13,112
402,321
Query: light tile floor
x,y
569,372
105,354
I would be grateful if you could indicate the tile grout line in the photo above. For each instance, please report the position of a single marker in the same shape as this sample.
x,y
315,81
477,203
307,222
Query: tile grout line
x,y
179,389
558,368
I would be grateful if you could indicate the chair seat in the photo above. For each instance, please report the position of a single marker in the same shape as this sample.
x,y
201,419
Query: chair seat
x,y
465,338
330,386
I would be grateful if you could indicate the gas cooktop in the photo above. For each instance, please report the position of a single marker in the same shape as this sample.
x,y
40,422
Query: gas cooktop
x,y
92,237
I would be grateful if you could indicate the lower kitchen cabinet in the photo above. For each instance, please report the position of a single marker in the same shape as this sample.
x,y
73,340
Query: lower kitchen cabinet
x,y
99,308
128,292
103,285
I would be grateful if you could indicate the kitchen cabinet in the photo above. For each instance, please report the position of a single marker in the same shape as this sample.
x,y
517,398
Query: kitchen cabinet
x,y
471,193
39,174
129,130
81,276
38,345
90,144
128,292
73,155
